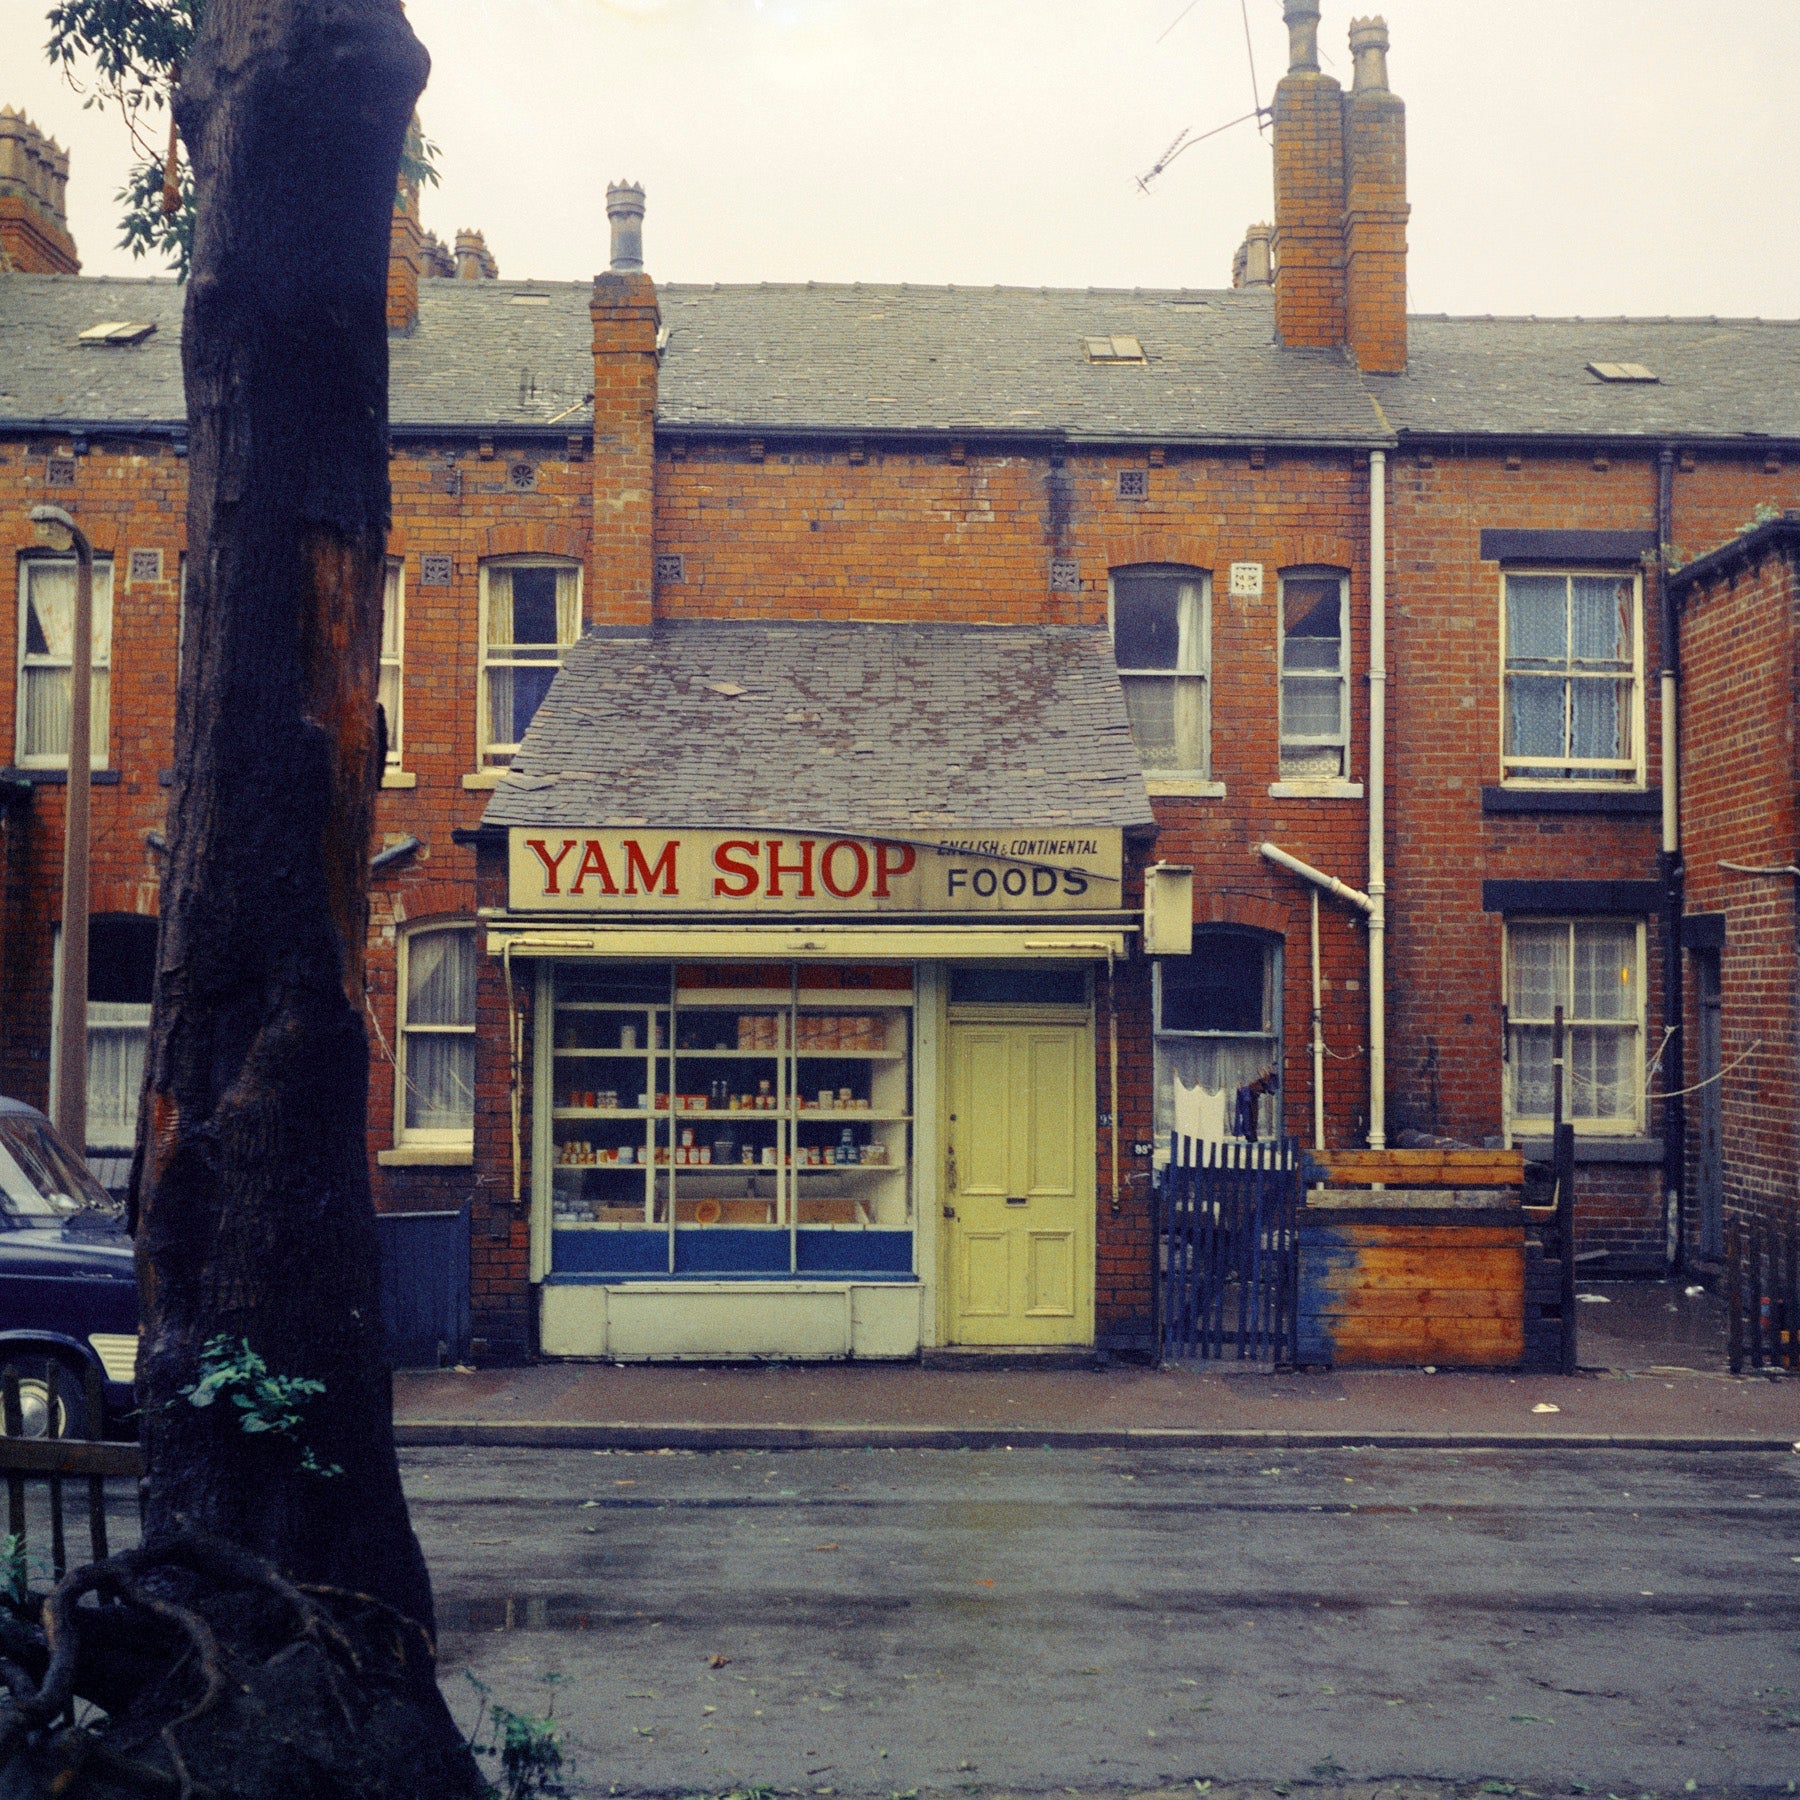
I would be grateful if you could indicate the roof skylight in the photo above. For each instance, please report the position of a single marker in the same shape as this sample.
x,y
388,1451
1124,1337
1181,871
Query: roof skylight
x,y
1617,371
1114,350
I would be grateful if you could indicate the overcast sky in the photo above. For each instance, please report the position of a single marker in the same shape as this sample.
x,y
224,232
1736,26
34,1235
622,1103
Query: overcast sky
x,y
1567,156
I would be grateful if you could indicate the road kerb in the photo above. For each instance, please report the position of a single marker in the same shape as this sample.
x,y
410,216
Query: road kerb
x,y
584,1434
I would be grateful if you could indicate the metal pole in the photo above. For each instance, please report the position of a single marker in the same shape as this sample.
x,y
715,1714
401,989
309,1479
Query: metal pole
x,y
71,1022
1318,1035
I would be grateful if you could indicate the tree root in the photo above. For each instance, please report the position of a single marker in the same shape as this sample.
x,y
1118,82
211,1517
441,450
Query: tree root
x,y
223,1680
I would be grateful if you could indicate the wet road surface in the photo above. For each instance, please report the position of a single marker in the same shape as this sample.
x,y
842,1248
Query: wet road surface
x,y
869,1622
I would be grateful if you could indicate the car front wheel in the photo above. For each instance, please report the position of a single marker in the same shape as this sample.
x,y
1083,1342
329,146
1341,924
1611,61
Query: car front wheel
x,y
39,1416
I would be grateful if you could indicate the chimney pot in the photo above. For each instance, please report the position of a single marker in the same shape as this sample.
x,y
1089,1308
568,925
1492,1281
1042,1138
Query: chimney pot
x,y
1302,18
1369,47
625,212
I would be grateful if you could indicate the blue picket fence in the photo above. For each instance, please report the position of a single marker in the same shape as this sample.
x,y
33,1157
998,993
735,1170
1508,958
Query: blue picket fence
x,y
1228,1250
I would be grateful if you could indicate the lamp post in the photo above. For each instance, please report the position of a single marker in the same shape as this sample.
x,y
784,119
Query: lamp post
x,y
56,528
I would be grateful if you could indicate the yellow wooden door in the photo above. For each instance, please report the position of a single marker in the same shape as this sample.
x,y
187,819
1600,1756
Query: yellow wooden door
x,y
1019,1195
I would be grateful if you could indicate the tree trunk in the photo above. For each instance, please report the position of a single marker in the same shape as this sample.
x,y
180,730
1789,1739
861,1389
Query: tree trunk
x,y
252,1207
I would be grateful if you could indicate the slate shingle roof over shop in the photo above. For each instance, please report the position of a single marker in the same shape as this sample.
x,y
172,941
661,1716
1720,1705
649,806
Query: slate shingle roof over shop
x,y
980,361
831,727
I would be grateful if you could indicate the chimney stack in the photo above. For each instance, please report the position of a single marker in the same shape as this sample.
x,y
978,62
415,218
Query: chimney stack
x,y
627,324
1375,208
405,257
474,261
435,262
34,178
625,211
1309,191
1253,266
1339,248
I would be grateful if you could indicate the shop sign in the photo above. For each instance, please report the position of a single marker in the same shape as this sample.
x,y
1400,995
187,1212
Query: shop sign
x,y
643,870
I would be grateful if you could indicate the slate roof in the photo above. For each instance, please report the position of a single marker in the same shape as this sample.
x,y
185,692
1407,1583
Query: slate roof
x,y
837,727
877,359
1529,377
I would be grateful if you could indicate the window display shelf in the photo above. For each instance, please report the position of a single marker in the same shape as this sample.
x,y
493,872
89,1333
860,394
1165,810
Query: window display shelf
x,y
850,1055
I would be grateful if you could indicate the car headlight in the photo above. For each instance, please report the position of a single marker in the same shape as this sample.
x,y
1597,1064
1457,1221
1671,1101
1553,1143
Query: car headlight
x,y
117,1351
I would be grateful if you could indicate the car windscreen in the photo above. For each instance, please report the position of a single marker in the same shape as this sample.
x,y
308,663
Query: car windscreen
x,y
40,1178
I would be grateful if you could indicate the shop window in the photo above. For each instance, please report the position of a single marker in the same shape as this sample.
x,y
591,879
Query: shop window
x,y
436,1053
1592,969
393,639
531,614
1161,645
1315,677
1574,690
772,1115
46,628
121,975
1218,1038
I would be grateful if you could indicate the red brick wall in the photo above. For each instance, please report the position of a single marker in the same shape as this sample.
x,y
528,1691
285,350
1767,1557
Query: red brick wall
x,y
1740,646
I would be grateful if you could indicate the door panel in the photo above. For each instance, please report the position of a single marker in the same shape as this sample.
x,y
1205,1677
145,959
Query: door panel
x,y
1050,1274
985,1288
1711,1160
1019,1206
1049,1146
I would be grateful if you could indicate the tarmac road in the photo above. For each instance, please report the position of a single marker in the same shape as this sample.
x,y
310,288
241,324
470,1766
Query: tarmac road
x,y
894,1620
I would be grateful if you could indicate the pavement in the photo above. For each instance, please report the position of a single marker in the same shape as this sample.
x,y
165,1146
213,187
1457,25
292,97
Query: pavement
x,y
1653,1375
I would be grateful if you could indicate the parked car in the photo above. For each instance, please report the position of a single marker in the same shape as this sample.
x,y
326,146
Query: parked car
x,y
68,1287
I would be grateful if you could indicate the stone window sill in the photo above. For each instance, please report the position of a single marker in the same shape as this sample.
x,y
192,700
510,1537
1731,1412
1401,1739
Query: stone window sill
x,y
398,778
441,1156
483,778
1184,787
97,777
1315,790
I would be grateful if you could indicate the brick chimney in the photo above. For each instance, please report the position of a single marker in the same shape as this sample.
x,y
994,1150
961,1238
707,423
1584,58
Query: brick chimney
x,y
621,584
1340,199
405,257
1309,191
1375,208
34,179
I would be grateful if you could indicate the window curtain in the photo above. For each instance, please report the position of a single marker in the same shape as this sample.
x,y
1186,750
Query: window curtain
x,y
48,647
117,1036
440,1038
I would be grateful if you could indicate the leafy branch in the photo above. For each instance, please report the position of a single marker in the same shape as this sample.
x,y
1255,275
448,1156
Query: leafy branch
x,y
127,55
265,1403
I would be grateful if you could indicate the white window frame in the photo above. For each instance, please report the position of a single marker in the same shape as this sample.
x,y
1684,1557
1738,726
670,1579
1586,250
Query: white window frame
x,y
1339,740
100,726
393,655
489,754
1606,773
1193,662
1534,1125
447,1145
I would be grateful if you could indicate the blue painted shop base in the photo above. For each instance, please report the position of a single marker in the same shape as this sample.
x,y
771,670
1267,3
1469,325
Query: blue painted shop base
x,y
729,1251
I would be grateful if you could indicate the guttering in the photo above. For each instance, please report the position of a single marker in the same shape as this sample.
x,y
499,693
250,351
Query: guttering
x,y
1377,799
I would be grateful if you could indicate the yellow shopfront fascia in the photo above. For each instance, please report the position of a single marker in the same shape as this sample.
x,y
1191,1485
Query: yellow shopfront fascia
x,y
705,941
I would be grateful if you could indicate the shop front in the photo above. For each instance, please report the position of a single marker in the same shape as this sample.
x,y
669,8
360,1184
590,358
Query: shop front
x,y
830,1138
816,1092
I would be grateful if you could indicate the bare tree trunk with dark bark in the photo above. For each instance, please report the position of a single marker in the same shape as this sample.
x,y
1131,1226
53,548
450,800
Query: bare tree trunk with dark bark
x,y
252,1207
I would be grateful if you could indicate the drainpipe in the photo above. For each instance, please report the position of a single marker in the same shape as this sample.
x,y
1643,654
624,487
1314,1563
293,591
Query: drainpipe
x,y
1318,1034
1377,799
1674,1120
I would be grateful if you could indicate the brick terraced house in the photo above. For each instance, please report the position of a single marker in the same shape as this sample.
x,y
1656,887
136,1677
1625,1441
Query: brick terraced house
x,y
804,704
